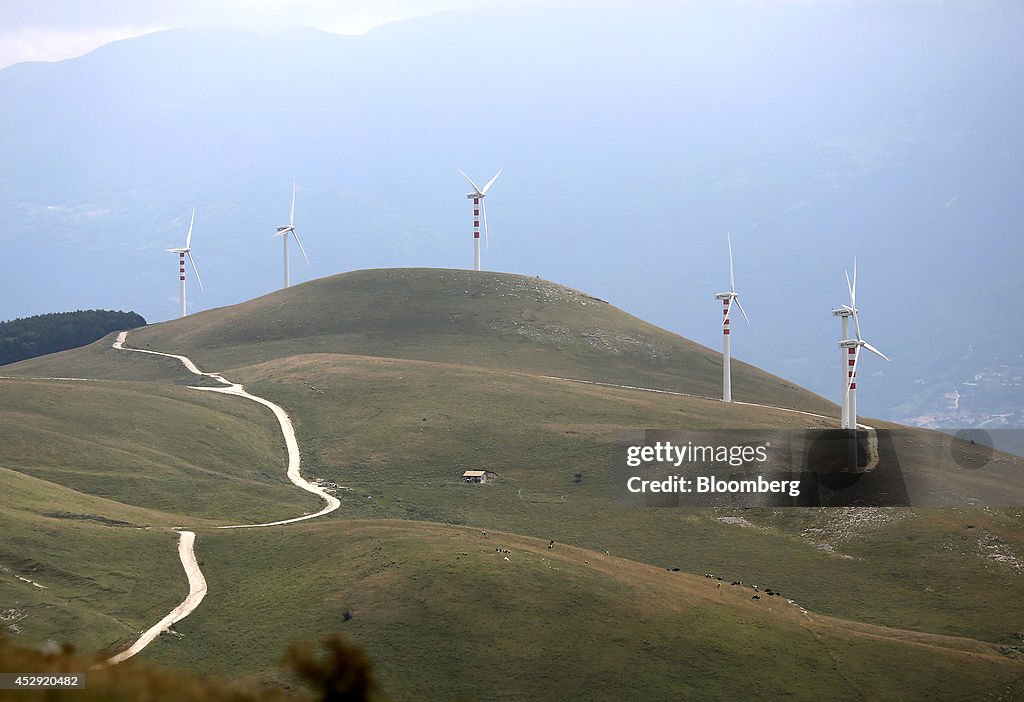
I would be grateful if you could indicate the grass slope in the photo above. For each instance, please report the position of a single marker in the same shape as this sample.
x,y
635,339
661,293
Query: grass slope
x,y
162,447
93,474
446,616
73,578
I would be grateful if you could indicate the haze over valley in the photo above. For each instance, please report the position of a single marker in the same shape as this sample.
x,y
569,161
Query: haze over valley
x,y
632,142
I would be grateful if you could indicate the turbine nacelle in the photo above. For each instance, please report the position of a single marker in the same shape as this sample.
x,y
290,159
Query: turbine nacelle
x,y
859,344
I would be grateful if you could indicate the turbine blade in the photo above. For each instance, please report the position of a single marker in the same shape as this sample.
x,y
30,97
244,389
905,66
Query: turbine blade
x,y
737,301
732,278
853,288
188,239
291,217
296,235
189,254
875,351
849,288
475,189
856,323
491,181
483,208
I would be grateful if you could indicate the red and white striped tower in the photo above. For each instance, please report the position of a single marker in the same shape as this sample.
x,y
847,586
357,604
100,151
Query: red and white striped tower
x,y
181,276
844,313
726,299
476,230
851,370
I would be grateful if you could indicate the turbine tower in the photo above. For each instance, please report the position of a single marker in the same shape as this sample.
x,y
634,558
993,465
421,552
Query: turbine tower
x,y
477,196
284,230
844,312
851,350
182,253
727,299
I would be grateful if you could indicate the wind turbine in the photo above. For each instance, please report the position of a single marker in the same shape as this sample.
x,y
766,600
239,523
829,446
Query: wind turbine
x,y
182,253
852,352
284,230
727,299
477,196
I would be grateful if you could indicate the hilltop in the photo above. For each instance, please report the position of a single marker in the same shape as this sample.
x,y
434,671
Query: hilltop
x,y
486,320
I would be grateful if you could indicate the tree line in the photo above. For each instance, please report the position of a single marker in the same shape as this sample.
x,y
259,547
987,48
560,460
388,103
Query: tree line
x,y
29,337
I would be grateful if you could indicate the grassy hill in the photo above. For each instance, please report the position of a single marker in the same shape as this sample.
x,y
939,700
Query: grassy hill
x,y
400,434
397,381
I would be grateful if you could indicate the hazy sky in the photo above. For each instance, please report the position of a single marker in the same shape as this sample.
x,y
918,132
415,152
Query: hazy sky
x,y
52,30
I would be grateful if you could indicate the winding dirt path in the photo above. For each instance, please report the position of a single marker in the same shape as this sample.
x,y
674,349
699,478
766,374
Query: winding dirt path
x,y
186,541
287,428
196,593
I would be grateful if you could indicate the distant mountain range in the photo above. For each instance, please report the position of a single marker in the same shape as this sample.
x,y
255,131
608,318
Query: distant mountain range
x,y
632,140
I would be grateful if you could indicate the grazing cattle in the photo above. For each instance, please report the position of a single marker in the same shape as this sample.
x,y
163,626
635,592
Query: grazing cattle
x,y
756,597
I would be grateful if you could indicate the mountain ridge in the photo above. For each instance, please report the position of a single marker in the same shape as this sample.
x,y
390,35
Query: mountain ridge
x,y
902,160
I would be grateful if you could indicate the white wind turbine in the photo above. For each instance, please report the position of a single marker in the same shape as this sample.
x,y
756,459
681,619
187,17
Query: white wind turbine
x,y
727,299
182,253
284,230
852,352
477,196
